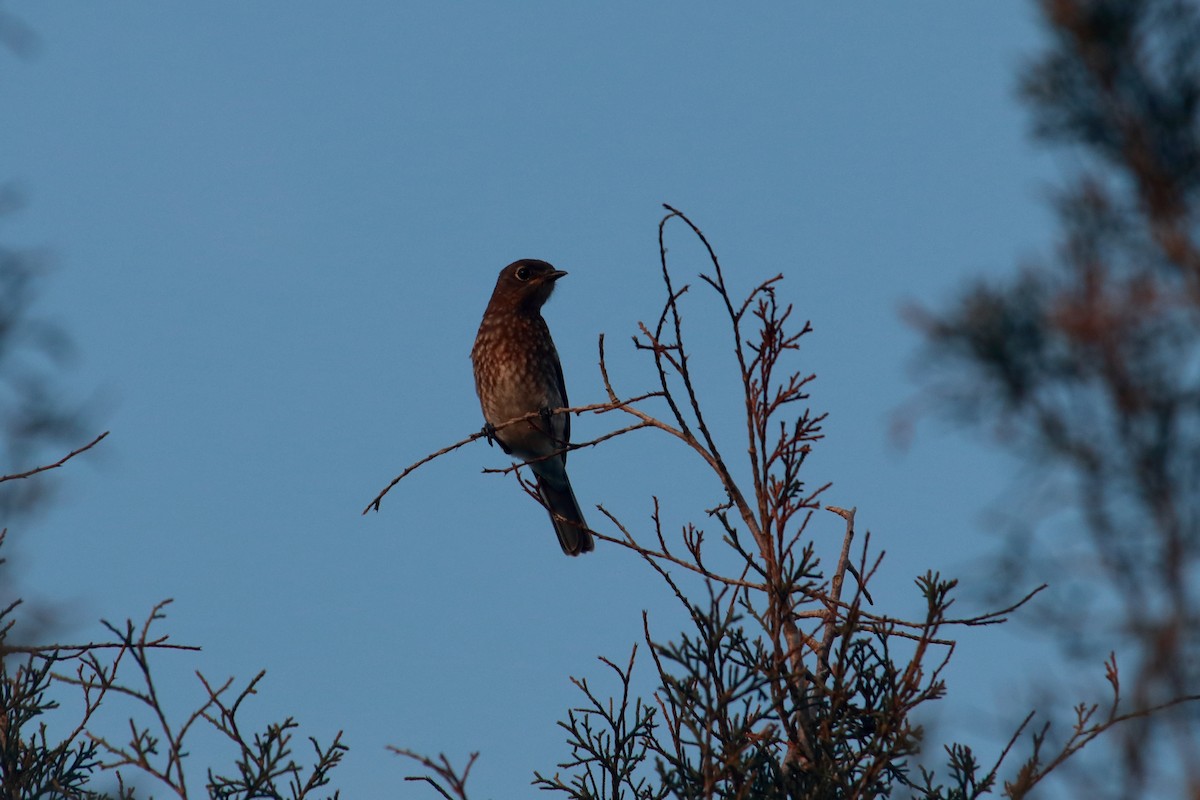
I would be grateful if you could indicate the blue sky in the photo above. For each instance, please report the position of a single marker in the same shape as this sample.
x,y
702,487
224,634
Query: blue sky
x,y
274,227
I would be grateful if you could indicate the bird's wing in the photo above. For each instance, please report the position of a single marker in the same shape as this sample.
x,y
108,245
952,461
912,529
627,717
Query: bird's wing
x,y
562,392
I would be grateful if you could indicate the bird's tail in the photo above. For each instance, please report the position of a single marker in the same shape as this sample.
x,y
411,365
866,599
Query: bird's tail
x,y
573,535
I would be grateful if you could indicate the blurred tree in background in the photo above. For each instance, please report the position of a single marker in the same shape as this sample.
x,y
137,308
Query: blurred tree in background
x,y
36,419
1087,367
33,414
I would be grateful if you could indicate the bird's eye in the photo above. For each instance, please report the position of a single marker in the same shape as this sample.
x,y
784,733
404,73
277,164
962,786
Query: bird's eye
x,y
523,273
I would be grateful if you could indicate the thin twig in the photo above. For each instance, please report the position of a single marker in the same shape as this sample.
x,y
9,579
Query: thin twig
x,y
627,541
598,408
576,446
56,464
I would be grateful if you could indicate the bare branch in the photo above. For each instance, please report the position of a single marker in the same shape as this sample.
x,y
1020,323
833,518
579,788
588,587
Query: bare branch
x,y
56,464
594,407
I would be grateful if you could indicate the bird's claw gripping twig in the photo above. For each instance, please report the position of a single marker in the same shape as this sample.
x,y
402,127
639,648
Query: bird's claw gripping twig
x,y
489,432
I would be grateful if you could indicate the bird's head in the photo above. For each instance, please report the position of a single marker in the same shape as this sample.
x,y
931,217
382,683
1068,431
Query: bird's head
x,y
526,284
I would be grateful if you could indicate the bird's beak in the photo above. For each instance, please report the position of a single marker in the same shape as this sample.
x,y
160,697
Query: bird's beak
x,y
555,275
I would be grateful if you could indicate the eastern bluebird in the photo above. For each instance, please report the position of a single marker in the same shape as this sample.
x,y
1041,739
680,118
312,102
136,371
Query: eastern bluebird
x,y
517,372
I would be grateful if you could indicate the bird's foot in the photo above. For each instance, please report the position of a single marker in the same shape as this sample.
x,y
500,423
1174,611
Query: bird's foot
x,y
546,413
489,433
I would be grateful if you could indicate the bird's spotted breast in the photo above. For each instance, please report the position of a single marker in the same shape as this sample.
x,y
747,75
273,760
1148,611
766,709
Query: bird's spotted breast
x,y
515,369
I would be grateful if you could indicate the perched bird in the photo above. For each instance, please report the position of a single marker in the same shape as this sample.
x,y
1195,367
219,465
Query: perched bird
x,y
517,372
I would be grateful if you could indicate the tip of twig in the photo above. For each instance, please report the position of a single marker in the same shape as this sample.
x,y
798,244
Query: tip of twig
x,y
842,512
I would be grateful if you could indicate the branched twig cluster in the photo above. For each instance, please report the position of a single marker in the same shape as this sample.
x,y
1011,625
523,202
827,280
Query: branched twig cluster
x,y
610,741
446,779
35,678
